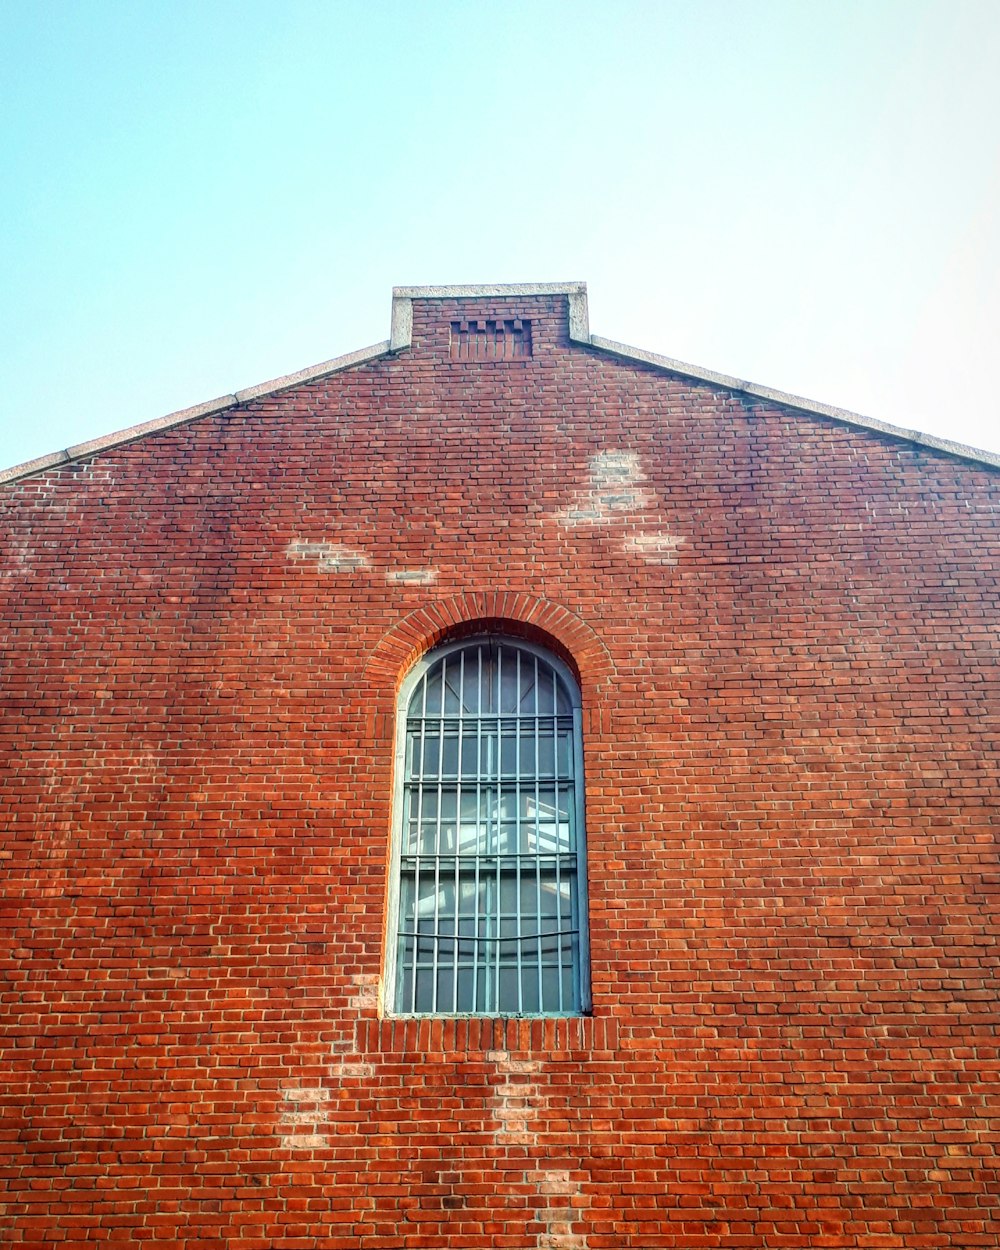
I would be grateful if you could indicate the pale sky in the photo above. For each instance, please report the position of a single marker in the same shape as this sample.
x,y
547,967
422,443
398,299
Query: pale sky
x,y
199,195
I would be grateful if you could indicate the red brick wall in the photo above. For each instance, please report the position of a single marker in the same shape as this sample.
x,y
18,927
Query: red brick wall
x,y
785,630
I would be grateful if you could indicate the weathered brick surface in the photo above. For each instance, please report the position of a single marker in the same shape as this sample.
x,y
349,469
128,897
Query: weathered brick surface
x,y
786,633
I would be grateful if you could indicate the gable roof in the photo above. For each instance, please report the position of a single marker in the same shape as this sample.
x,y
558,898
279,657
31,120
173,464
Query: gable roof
x,y
579,333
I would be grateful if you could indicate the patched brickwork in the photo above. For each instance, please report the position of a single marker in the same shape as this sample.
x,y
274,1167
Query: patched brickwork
x,y
785,631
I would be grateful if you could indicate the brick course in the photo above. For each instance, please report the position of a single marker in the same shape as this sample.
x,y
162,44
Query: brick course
x,y
785,630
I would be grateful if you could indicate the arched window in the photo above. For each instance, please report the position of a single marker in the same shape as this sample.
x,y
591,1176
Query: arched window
x,y
489,869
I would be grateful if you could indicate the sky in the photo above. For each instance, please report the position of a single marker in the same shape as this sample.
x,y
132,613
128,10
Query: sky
x,y
199,195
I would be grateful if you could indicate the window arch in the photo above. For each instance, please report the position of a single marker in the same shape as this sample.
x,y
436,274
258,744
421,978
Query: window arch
x,y
488,884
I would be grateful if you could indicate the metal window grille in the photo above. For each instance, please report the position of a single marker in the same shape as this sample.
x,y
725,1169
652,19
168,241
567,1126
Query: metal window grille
x,y
490,850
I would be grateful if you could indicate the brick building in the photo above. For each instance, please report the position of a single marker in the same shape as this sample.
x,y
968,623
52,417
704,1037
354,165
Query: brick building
x,y
501,788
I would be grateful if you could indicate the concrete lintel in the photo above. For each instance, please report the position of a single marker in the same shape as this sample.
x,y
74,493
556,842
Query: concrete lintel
x,y
624,352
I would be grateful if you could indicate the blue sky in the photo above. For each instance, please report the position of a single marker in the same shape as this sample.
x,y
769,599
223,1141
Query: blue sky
x,y
198,196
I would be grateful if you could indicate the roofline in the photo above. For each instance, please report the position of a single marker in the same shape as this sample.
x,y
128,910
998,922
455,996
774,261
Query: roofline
x,y
261,391
623,352
579,333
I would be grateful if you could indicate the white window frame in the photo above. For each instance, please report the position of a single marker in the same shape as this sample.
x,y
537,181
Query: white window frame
x,y
392,954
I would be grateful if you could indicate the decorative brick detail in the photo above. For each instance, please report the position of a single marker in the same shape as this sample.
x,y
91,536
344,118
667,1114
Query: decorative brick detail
x,y
491,338
548,623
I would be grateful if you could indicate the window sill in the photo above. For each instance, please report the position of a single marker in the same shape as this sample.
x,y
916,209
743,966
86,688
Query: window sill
x,y
551,1037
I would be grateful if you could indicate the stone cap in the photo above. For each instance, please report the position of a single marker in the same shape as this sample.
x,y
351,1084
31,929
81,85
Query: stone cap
x,y
403,297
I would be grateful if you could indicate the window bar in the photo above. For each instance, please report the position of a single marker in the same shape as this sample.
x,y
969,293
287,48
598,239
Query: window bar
x,y
518,920
494,774
580,948
514,870
418,847
437,836
558,843
538,851
478,833
457,848
405,833
418,844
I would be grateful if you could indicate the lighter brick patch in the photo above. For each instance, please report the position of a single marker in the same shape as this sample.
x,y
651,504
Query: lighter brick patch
x,y
520,1066
412,577
616,467
614,489
306,1093
329,557
353,1071
615,493
518,1102
298,1122
656,548
20,553
292,1119
366,998
304,1141
559,1213
554,1182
